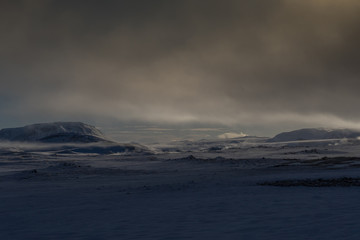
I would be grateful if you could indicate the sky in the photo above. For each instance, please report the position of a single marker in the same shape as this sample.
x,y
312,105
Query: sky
x,y
142,70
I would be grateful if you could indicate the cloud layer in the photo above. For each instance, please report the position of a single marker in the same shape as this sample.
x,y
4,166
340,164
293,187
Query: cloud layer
x,y
229,62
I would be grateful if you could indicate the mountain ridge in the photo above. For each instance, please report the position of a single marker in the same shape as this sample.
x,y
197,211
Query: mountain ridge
x,y
315,134
54,132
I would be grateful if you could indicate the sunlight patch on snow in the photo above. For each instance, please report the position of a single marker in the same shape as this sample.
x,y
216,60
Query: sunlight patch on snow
x,y
232,135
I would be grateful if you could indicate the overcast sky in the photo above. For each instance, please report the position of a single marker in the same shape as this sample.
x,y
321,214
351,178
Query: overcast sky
x,y
262,66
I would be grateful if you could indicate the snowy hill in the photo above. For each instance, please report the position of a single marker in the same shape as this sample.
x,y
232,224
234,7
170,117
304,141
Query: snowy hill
x,y
63,138
57,132
315,134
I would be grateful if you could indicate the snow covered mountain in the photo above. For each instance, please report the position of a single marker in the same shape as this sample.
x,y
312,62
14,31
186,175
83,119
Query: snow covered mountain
x,y
64,138
57,132
315,134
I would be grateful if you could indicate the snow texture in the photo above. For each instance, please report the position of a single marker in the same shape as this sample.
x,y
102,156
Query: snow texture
x,y
246,188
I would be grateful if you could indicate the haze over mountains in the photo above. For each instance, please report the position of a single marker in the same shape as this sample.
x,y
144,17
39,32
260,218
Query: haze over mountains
x,y
78,132
81,138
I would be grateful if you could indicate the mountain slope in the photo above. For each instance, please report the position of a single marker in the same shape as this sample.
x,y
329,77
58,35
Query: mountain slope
x,y
64,138
57,132
315,134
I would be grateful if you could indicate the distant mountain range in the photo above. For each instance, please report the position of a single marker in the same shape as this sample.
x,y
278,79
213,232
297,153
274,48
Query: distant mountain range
x,y
77,137
315,134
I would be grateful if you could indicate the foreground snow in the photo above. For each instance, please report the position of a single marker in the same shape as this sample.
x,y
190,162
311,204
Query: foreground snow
x,y
154,198
198,190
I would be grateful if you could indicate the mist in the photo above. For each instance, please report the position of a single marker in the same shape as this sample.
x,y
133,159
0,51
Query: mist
x,y
252,65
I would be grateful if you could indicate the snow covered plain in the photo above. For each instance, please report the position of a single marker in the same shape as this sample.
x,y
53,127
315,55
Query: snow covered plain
x,y
182,190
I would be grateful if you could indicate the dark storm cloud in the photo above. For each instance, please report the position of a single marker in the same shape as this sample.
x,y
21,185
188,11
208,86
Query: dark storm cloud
x,y
208,61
